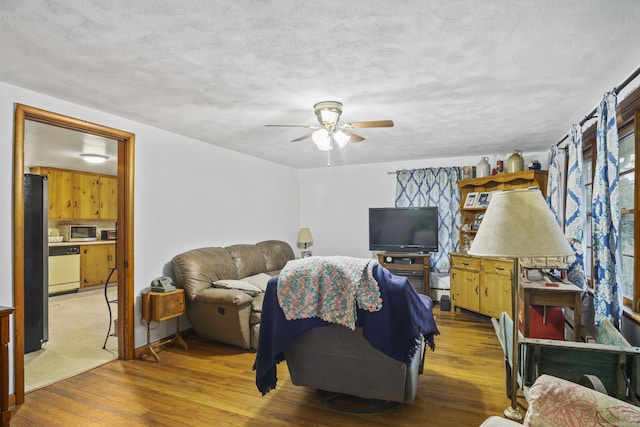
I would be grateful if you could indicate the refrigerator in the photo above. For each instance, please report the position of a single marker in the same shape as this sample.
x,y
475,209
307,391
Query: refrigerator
x,y
36,263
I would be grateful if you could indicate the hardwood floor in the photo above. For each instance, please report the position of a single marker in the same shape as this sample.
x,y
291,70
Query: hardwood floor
x,y
213,384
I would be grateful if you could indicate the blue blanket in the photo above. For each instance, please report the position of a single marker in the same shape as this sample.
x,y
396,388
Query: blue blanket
x,y
395,330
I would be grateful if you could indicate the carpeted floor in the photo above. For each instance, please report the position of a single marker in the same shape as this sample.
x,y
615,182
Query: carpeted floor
x,y
78,325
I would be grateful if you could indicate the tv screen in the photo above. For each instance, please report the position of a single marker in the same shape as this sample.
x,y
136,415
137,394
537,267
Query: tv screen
x,y
403,229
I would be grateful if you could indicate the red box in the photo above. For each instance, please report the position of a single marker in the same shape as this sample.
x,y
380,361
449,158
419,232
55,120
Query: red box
x,y
546,322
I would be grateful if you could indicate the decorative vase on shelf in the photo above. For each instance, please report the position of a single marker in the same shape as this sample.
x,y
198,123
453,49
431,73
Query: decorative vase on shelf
x,y
515,163
483,168
534,165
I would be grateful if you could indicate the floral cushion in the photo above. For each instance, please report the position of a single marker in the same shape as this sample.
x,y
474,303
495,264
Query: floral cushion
x,y
557,402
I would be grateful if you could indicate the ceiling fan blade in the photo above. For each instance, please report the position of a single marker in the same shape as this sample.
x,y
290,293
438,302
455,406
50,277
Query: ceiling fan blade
x,y
291,126
370,124
302,137
354,137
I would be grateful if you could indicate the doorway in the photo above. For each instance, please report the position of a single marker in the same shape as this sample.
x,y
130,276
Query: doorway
x,y
78,312
124,258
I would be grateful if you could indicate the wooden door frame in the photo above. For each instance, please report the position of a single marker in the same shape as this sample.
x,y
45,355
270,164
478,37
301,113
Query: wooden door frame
x,y
124,261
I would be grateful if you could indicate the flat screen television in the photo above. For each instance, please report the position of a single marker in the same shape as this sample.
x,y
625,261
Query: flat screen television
x,y
404,230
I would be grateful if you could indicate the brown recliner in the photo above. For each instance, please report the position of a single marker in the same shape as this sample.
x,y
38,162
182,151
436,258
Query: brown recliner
x,y
231,316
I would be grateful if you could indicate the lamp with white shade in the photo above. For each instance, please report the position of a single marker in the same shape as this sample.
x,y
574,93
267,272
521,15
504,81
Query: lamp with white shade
x,y
304,240
518,224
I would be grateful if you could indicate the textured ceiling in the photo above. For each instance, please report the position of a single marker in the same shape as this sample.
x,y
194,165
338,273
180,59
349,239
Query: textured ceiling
x,y
457,77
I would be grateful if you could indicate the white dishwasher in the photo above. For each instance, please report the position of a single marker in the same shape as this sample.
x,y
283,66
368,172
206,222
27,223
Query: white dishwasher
x,y
64,269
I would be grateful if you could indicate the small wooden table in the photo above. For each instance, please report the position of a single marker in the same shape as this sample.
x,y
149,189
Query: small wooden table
x,y
159,306
557,295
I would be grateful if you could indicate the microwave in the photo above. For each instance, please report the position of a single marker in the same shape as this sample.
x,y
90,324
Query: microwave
x,y
78,233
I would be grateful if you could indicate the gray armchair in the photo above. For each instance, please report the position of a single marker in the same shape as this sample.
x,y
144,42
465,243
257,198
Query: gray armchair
x,y
379,360
336,359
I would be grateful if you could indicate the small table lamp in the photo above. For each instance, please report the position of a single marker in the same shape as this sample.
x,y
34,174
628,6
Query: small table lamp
x,y
304,240
518,224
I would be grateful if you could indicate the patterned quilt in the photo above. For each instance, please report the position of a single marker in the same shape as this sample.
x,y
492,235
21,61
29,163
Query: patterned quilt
x,y
330,288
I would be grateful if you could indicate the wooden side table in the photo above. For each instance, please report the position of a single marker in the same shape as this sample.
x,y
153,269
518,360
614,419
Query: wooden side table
x,y
408,264
159,306
558,295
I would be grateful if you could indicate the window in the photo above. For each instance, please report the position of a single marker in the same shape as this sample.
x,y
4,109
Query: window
x,y
629,194
587,179
627,209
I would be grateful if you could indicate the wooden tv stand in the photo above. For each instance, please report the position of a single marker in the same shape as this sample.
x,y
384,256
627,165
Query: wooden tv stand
x,y
408,265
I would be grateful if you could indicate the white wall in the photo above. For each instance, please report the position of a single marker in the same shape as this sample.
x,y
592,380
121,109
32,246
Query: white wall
x,y
190,194
187,194
335,201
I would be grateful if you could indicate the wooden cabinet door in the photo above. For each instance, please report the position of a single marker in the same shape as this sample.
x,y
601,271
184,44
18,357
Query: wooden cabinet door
x,y
469,296
95,263
495,287
108,198
86,196
495,295
60,192
465,287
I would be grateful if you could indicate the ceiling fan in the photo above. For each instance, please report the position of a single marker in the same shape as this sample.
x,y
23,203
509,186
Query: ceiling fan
x,y
329,131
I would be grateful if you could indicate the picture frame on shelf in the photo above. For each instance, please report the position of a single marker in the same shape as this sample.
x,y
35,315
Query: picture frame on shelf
x,y
305,254
468,172
478,220
483,199
471,199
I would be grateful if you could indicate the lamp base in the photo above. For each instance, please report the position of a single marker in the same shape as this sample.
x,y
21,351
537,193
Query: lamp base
x,y
513,414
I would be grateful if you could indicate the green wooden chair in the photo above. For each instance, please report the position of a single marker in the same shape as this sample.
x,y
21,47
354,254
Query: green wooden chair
x,y
611,359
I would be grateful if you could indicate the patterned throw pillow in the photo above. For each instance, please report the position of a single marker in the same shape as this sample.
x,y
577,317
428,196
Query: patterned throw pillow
x,y
557,402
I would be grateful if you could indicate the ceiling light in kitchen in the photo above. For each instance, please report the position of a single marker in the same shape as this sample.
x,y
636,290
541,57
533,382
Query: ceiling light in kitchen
x,y
94,158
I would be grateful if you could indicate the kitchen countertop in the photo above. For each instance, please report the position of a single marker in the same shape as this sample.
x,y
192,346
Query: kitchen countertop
x,y
93,242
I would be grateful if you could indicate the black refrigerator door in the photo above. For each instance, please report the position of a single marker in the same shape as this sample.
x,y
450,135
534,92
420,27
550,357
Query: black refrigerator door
x,y
36,262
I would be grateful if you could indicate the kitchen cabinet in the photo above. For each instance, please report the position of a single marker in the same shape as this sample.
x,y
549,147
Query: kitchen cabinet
x,y
86,196
482,285
75,195
96,260
108,191
61,194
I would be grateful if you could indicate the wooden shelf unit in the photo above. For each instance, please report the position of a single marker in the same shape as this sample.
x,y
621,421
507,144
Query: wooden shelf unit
x,y
417,265
500,182
483,284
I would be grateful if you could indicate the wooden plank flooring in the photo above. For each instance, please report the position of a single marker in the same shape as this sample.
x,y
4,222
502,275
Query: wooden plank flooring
x,y
213,384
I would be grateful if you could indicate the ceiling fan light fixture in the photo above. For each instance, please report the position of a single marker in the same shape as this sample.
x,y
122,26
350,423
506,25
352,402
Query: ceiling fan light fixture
x,y
322,139
328,111
341,138
328,116
94,158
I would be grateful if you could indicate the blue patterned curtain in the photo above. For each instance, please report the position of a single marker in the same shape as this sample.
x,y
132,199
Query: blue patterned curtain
x,y
434,187
607,268
553,183
575,212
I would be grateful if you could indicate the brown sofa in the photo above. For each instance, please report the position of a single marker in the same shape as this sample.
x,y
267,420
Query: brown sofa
x,y
225,287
